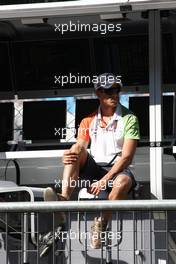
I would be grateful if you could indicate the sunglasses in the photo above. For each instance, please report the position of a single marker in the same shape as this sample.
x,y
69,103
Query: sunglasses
x,y
110,91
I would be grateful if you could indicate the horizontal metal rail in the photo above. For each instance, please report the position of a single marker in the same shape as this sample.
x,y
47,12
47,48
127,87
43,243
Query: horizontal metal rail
x,y
152,205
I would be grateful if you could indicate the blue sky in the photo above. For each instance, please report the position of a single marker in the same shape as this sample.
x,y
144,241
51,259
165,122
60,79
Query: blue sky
x,y
71,102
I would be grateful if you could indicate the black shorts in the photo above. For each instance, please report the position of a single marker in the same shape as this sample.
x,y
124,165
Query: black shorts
x,y
92,172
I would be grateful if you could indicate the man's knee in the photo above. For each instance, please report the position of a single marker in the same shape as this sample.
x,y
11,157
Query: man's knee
x,y
82,153
76,148
123,182
121,187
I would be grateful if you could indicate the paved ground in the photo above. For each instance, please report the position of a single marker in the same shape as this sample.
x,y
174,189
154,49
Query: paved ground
x,y
42,172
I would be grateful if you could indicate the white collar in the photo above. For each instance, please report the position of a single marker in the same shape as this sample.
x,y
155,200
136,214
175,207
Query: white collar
x,y
116,116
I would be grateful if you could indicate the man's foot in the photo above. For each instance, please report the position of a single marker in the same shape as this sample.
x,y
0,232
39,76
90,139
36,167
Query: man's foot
x,y
46,241
49,194
98,230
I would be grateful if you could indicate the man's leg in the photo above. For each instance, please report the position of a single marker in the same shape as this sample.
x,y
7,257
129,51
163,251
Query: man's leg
x,y
121,186
71,171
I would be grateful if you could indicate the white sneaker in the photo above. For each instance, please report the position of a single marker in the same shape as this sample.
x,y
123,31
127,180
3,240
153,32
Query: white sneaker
x,y
49,194
98,230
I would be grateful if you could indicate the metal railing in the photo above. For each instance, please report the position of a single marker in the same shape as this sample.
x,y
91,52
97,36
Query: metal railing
x,y
141,231
93,205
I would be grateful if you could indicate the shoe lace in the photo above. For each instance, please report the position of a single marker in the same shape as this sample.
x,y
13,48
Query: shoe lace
x,y
98,226
48,238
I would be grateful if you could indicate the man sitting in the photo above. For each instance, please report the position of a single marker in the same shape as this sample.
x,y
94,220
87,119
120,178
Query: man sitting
x,y
113,132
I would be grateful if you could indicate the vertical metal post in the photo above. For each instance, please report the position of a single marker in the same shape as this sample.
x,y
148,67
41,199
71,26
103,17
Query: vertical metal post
x,y
117,219
167,237
6,237
25,238
37,235
85,228
150,237
108,243
155,87
68,238
53,216
102,261
134,237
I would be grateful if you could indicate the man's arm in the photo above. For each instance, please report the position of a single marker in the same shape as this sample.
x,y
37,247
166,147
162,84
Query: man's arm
x,y
124,161
128,151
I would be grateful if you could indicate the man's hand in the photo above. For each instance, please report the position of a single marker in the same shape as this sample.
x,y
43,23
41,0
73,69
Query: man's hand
x,y
97,187
71,155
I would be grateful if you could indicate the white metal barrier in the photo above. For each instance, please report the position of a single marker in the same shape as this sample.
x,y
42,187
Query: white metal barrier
x,y
148,234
